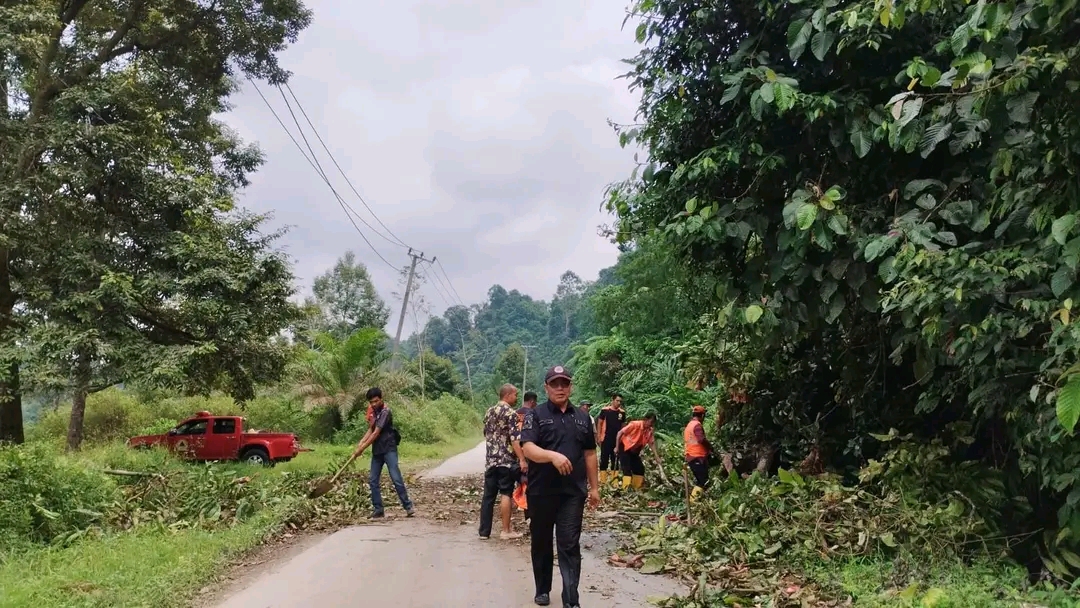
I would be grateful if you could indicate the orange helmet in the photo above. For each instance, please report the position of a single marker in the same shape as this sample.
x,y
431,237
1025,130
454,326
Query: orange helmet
x,y
698,409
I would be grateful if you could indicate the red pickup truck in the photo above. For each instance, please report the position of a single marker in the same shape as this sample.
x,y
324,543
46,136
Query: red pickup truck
x,y
208,437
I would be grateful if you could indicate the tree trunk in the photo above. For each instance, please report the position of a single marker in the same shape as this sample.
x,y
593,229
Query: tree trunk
x,y
78,402
11,418
468,372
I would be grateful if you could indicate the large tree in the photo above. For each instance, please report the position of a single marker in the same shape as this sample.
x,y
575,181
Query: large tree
x,y
885,193
116,186
348,297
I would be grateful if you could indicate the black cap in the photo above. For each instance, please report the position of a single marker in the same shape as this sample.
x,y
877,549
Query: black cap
x,y
557,372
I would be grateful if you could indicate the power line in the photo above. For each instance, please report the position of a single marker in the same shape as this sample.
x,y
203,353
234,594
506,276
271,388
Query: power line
x,y
451,283
449,298
314,165
399,242
326,179
439,291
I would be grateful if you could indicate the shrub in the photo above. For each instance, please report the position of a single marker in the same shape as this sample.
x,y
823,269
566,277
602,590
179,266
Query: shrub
x,y
420,421
46,498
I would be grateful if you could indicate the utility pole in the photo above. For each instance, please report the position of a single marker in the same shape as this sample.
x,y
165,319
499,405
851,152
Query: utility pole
x,y
405,300
525,368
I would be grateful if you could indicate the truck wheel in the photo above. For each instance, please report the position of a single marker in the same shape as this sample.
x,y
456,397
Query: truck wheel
x,y
256,456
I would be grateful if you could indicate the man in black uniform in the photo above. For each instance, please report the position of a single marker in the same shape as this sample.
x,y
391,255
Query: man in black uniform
x,y
558,441
608,425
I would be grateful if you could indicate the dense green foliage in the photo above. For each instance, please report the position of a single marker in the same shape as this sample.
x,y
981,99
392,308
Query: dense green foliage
x,y
123,257
878,200
493,336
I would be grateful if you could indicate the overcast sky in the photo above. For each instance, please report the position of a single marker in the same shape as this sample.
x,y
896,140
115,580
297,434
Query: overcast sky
x,y
475,129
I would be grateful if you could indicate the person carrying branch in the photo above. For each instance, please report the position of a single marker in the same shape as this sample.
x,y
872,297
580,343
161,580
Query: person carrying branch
x,y
697,450
631,440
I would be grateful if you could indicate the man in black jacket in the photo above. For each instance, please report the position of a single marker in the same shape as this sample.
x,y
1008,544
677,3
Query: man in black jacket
x,y
558,440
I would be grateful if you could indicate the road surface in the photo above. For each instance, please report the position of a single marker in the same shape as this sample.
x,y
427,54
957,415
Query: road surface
x,y
417,563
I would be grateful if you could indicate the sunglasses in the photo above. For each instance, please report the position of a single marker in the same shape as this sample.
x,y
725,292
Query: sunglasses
x,y
559,383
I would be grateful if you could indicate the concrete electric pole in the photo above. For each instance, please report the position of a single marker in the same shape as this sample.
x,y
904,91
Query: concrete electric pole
x,y
525,368
405,300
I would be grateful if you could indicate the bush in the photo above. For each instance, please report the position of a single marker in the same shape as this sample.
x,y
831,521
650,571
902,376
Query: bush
x,y
423,422
46,498
117,414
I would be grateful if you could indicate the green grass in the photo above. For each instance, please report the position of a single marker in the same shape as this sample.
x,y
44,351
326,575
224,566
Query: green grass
x,y
880,584
154,566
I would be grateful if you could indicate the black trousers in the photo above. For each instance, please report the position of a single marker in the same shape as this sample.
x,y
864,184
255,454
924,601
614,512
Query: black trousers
x,y
632,464
700,468
563,514
497,481
608,462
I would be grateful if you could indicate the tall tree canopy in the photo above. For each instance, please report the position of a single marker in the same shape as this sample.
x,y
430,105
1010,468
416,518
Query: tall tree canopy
x,y
884,194
117,231
348,298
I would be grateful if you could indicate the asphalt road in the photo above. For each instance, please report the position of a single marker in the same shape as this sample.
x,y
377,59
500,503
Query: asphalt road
x,y
418,563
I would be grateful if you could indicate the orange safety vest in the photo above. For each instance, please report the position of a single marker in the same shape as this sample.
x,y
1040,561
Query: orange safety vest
x,y
694,448
635,437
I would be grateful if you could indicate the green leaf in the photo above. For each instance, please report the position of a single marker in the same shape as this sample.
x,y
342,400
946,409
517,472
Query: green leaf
x,y
916,186
798,35
836,193
1061,281
934,135
730,93
888,539
821,43
770,550
641,31
837,223
806,215
784,475
1068,404
757,105
947,238
691,205
767,92
910,111
753,313
654,564
785,96
1020,107
1061,228
861,141
931,77
875,248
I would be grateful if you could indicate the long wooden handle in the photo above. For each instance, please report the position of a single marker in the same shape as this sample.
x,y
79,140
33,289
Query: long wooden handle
x,y
343,467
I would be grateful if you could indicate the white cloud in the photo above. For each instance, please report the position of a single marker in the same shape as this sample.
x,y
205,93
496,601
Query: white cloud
x,y
476,130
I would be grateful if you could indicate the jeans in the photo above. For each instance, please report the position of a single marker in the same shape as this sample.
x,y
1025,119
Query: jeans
x,y
390,459
563,513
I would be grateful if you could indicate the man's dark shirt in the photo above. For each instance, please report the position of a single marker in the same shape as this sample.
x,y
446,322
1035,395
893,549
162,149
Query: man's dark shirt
x,y
613,422
568,433
386,441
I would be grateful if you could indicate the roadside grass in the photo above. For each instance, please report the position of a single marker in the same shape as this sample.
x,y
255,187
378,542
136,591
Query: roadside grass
x,y
876,583
153,565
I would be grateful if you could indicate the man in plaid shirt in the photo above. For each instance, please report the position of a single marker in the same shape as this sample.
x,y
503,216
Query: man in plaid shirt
x,y
504,462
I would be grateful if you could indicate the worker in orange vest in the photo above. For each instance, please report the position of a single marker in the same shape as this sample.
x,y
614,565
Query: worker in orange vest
x,y
697,450
631,440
